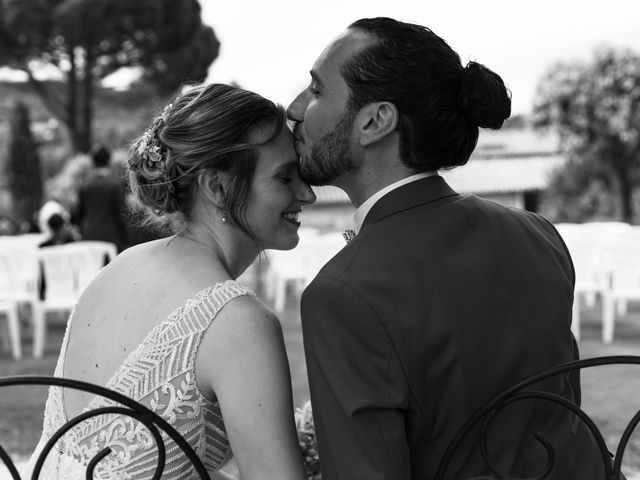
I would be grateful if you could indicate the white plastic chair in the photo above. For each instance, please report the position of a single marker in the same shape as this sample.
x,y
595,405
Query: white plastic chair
x,y
318,251
285,267
624,257
33,239
10,311
588,251
89,257
67,270
300,265
59,275
9,307
18,284
58,271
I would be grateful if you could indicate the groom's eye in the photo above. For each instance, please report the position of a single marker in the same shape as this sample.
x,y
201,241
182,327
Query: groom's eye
x,y
314,88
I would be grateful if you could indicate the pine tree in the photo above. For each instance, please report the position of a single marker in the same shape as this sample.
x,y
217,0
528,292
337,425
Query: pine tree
x,y
87,40
23,166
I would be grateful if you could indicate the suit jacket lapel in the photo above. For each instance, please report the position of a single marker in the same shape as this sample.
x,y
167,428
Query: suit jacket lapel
x,y
408,196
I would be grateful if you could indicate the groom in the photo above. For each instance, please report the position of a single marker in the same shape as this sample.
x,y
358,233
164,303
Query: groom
x,y
441,301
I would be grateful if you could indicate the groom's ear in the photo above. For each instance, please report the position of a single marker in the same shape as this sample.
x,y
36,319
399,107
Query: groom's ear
x,y
375,121
212,185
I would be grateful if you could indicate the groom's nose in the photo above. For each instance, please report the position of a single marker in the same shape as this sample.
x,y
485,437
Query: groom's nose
x,y
296,110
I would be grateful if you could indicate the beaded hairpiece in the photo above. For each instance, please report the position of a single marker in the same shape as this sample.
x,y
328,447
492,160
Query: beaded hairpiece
x,y
149,148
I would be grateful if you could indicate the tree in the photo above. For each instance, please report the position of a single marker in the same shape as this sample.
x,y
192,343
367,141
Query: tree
x,y
23,166
579,191
86,40
596,108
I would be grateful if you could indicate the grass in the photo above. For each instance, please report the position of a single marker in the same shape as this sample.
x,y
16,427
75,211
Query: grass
x,y
611,394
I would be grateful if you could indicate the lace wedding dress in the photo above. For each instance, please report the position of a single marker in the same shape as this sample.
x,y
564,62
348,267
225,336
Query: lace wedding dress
x,y
159,374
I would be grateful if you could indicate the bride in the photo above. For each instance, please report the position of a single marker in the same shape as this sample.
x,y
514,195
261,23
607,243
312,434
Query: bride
x,y
167,324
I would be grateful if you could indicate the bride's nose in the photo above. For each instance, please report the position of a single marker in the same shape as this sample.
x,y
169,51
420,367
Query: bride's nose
x,y
304,193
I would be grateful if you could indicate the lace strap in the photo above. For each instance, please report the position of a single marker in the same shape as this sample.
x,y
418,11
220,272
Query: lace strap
x,y
199,311
168,352
172,345
197,314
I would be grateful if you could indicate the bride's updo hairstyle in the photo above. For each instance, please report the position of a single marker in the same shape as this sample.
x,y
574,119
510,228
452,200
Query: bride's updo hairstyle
x,y
208,127
441,103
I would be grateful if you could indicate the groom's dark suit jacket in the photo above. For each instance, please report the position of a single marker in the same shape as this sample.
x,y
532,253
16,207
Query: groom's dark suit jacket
x,y
441,302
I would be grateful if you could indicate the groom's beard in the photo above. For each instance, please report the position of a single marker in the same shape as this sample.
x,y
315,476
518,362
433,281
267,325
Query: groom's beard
x,y
330,156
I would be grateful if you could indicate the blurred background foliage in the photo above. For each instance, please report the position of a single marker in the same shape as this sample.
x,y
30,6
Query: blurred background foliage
x,y
24,176
595,107
121,116
79,43
84,41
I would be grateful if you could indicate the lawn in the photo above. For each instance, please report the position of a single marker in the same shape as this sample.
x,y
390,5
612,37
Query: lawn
x,y
611,394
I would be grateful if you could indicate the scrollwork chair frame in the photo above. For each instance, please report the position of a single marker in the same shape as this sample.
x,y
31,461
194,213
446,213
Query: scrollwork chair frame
x,y
612,467
129,407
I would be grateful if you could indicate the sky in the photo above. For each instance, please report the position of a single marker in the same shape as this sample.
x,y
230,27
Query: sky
x,y
270,46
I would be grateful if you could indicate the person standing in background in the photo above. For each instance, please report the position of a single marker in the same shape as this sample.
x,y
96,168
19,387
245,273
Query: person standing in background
x,y
101,204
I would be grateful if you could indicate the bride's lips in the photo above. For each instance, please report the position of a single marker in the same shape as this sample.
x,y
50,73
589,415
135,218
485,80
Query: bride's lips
x,y
292,217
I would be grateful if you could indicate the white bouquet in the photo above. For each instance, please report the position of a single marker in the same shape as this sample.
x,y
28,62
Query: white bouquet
x,y
307,441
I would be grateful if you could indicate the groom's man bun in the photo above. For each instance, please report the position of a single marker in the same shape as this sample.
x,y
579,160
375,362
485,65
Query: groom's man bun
x,y
441,103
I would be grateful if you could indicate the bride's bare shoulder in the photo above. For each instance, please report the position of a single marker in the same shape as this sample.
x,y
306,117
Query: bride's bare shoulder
x,y
137,271
242,322
246,312
245,336
141,251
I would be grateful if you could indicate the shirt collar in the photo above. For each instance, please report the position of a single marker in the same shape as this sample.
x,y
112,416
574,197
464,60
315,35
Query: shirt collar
x,y
363,210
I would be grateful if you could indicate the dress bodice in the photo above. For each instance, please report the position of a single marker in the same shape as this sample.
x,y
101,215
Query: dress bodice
x,y
158,374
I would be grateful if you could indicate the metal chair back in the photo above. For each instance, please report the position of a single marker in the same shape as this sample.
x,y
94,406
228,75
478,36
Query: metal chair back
x,y
520,392
155,423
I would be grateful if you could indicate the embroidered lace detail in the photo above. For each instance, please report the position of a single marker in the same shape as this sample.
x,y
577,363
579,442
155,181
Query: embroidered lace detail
x,y
159,374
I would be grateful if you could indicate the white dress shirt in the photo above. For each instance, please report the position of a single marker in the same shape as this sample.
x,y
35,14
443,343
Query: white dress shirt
x,y
363,210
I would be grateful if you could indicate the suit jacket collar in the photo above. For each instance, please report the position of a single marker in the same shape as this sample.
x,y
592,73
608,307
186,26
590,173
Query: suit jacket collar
x,y
408,196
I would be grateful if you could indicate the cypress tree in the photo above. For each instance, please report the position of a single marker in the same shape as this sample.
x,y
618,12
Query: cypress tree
x,y
23,166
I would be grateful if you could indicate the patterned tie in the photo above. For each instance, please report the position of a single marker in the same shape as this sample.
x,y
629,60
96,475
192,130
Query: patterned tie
x,y
348,235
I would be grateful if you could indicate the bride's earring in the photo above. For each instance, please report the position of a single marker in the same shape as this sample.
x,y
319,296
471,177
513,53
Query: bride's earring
x,y
224,218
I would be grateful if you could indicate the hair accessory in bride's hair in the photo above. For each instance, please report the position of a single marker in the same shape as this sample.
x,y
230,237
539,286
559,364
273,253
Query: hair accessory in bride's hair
x,y
165,112
150,147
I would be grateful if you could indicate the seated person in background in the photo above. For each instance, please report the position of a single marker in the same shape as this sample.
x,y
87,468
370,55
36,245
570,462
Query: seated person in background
x,y
49,208
61,232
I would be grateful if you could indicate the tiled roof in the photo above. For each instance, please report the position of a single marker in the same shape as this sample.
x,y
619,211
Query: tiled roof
x,y
482,176
507,142
503,175
328,194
